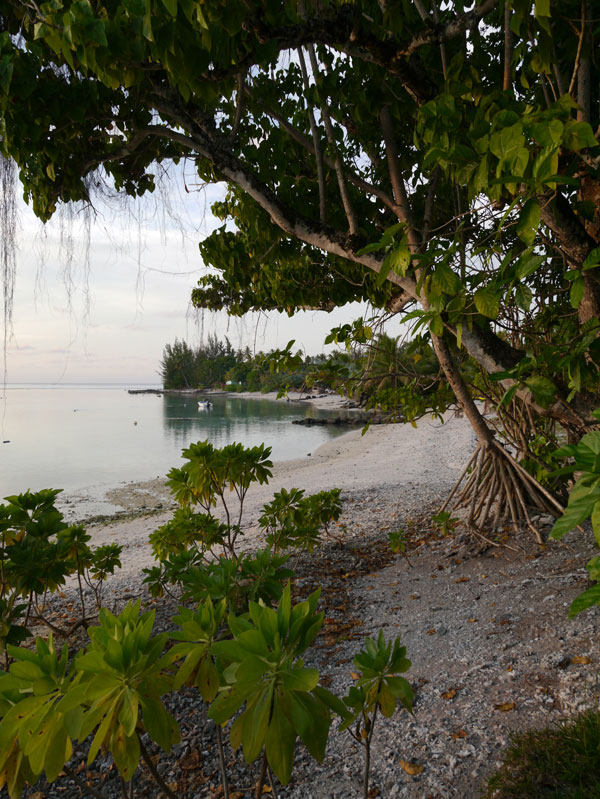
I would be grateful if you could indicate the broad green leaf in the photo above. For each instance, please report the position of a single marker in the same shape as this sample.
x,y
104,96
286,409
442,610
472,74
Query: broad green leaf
x,y
447,280
280,745
528,264
400,258
529,220
592,260
386,701
171,6
578,135
228,703
593,567
585,600
58,753
300,679
160,725
256,722
575,513
129,711
125,750
487,302
332,701
436,325
523,296
542,8
207,679
543,389
577,291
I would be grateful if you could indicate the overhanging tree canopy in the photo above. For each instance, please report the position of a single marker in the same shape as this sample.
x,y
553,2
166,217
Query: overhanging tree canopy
x,y
415,154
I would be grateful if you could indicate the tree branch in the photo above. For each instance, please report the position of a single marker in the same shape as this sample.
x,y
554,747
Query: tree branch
x,y
355,179
339,167
316,143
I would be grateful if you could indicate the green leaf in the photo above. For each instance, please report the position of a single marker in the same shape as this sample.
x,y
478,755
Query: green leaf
x,y
256,722
577,291
446,279
300,679
171,6
436,325
593,567
529,220
585,600
578,135
543,389
400,258
280,745
160,725
592,260
542,8
523,296
528,264
126,751
487,302
575,513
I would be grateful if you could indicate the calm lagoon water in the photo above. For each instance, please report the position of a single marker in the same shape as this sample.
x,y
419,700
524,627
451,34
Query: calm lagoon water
x,y
87,439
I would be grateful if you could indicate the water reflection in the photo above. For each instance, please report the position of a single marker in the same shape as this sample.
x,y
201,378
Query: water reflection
x,y
250,421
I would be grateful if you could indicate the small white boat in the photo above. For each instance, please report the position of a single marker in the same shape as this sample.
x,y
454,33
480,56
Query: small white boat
x,y
204,405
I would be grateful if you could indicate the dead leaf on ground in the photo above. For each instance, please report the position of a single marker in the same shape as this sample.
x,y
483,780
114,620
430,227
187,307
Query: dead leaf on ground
x,y
415,596
505,706
411,768
462,580
581,660
190,761
459,734
431,632
449,694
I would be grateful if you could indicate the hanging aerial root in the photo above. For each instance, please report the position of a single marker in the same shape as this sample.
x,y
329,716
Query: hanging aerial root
x,y
498,490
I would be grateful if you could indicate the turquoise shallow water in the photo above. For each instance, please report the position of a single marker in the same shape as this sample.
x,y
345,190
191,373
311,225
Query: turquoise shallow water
x,y
91,438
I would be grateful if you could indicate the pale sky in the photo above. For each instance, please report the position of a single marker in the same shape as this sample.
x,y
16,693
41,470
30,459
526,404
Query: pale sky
x,y
112,324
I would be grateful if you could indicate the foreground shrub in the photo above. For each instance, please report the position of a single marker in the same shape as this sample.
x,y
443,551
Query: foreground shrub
x,y
559,762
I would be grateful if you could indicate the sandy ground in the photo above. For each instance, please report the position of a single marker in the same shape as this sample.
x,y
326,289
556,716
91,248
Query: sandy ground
x,y
488,635
398,456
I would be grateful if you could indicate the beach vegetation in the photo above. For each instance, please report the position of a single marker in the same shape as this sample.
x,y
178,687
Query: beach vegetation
x,y
584,504
248,667
378,689
557,762
38,551
198,552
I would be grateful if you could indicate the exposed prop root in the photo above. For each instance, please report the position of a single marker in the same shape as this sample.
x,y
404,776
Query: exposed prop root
x,y
499,491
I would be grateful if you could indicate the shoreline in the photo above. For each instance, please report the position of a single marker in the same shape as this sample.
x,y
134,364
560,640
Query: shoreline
x,y
491,646
394,457
101,502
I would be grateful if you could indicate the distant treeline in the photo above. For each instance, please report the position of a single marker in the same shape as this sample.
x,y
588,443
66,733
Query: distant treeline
x,y
383,373
216,364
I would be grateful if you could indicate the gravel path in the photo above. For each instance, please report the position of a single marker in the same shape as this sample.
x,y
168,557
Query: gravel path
x,y
488,635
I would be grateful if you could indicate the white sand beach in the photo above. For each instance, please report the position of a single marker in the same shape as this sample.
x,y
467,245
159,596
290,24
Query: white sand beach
x,y
397,456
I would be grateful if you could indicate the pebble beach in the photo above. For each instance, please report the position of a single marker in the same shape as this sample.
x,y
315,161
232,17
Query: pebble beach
x,y
491,646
